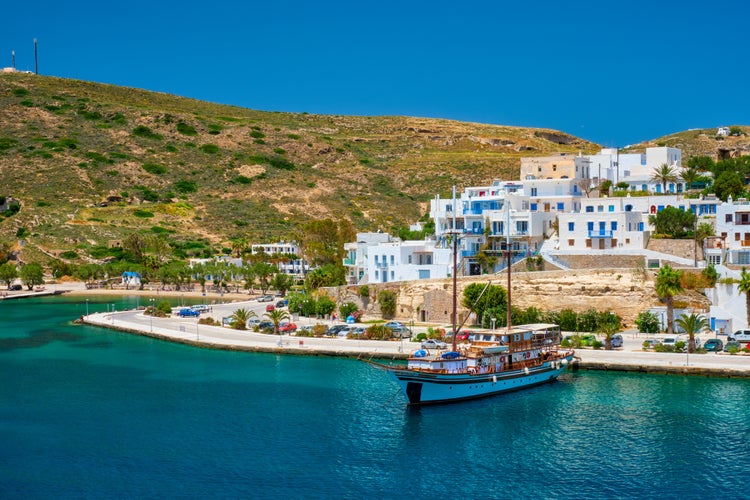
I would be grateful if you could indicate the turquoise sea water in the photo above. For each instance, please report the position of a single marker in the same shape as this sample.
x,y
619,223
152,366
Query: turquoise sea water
x,y
92,413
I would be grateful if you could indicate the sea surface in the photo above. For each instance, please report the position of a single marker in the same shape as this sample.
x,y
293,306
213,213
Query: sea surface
x,y
91,413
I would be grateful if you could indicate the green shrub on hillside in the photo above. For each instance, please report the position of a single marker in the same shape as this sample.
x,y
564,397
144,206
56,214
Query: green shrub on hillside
x,y
184,186
210,149
257,134
19,92
155,169
143,213
7,143
146,133
186,129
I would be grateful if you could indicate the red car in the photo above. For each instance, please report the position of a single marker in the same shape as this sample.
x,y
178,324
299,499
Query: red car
x,y
287,327
270,308
463,335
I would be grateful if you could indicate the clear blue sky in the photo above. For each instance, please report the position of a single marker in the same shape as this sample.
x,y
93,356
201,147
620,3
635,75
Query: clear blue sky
x,y
613,73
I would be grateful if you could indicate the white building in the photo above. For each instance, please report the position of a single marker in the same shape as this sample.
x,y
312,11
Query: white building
x,y
382,258
286,257
636,169
732,229
622,222
357,253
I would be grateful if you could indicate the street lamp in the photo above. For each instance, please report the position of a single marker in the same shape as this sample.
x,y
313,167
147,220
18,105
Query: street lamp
x,y
152,314
493,323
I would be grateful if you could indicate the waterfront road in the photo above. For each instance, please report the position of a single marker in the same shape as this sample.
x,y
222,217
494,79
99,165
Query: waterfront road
x,y
631,357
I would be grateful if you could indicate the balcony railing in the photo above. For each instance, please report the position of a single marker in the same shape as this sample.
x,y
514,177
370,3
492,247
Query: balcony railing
x,y
601,233
348,262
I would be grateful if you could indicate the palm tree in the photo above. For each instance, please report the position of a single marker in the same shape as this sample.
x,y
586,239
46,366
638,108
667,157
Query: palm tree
x,y
276,316
664,174
692,324
240,317
668,284
744,287
690,176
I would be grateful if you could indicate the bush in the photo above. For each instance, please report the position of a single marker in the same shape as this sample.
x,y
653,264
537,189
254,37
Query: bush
x,y
186,186
364,292
347,309
153,168
325,305
647,322
146,133
210,149
387,300
144,214
186,129
378,332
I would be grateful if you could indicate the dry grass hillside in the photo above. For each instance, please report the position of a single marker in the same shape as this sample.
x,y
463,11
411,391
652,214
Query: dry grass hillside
x,y
703,142
93,163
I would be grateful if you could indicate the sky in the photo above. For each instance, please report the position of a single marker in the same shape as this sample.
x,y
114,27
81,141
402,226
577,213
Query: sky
x,y
612,73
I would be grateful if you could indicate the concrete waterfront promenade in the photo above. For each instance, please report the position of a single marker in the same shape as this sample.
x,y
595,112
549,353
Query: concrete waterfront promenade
x,y
630,357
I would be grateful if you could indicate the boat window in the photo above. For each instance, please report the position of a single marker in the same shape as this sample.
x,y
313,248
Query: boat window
x,y
487,338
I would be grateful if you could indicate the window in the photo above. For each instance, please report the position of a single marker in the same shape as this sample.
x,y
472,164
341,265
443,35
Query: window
x,y
392,259
590,226
393,275
640,226
588,243
560,207
600,208
376,275
409,259
614,225
571,242
736,236
533,207
533,191
627,241
554,168
590,208
728,218
611,208
571,226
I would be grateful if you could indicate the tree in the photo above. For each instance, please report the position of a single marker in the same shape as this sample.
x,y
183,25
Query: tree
x,y
322,241
667,286
604,187
664,174
692,324
647,322
135,245
744,287
387,300
673,222
585,185
701,163
282,282
347,308
263,273
495,298
728,184
32,275
240,317
276,316
703,231
690,176
8,273
327,275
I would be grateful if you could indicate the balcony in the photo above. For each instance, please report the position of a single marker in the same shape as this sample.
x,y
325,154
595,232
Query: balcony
x,y
348,262
381,263
473,211
601,233
467,253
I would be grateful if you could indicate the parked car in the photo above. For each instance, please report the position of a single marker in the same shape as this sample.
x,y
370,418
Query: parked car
x,y
200,308
16,287
358,331
270,307
649,343
335,329
265,298
714,345
253,322
287,327
732,344
668,341
282,303
616,340
265,325
305,328
740,336
344,332
434,344
588,339
399,329
186,312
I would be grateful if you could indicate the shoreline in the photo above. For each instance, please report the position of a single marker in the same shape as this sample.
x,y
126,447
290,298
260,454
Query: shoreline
x,y
187,331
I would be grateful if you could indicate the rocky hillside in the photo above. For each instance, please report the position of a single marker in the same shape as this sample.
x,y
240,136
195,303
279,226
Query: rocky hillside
x,y
703,142
92,163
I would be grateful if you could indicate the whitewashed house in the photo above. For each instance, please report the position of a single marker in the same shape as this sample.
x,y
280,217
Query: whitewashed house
x,y
355,261
407,261
732,230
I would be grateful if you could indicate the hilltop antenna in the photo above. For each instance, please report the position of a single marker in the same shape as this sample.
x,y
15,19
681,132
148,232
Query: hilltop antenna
x,y
13,59
36,59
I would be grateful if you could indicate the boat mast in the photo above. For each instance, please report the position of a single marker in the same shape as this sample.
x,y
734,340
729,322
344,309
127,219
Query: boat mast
x,y
455,271
507,251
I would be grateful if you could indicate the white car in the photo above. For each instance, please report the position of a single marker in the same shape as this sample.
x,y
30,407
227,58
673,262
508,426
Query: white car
x,y
434,344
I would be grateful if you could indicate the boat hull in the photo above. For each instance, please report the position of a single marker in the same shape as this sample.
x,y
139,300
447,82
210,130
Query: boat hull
x,y
422,388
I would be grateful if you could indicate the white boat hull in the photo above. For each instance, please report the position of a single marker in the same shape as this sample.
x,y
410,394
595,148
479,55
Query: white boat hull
x,y
423,388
